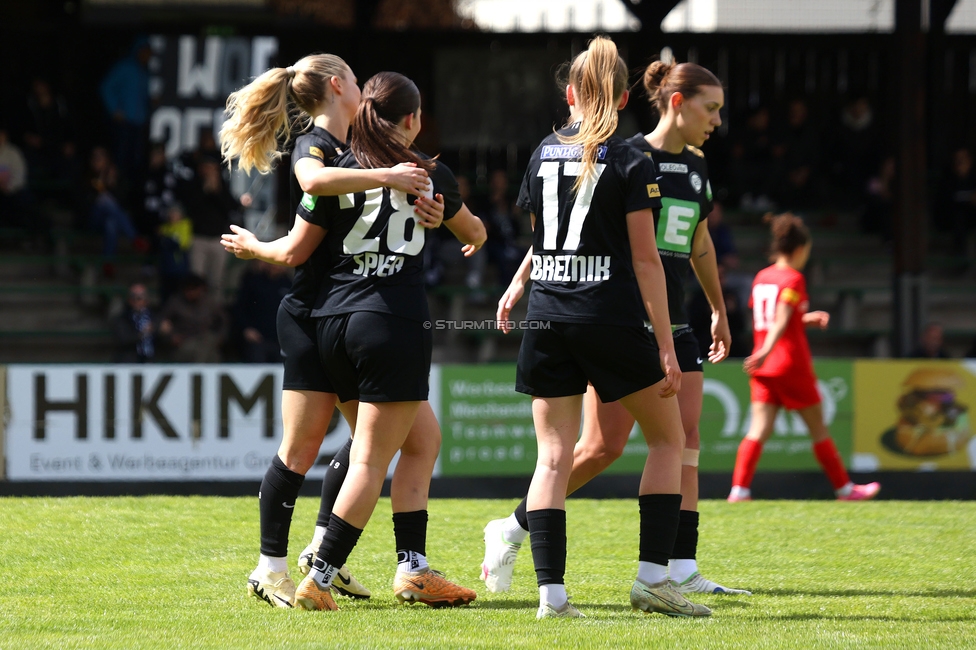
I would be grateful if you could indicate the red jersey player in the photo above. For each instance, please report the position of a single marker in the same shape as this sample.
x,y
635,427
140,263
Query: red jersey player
x,y
781,367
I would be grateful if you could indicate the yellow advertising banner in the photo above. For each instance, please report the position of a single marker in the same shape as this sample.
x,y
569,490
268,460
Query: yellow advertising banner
x,y
914,414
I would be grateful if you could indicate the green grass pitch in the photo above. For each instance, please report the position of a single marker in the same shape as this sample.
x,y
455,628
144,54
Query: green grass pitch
x,y
170,572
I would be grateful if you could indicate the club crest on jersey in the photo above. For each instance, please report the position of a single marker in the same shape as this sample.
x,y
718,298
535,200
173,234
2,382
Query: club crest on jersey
x,y
696,182
570,151
672,168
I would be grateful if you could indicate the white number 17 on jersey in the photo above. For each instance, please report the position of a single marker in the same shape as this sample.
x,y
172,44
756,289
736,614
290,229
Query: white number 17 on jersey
x,y
549,172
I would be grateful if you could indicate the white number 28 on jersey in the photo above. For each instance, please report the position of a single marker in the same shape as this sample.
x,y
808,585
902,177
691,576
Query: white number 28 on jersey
x,y
549,172
355,241
764,306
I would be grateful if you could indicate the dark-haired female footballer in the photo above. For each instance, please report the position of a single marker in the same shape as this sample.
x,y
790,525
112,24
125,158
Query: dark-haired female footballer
x,y
596,277
781,367
324,89
688,98
374,345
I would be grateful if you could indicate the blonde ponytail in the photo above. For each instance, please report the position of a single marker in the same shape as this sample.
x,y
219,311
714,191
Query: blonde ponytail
x,y
258,118
599,78
261,115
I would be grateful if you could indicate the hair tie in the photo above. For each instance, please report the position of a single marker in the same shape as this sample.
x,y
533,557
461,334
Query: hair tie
x,y
290,71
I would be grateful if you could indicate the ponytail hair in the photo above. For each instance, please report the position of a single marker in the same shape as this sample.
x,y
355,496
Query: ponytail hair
x,y
663,79
266,110
376,141
599,78
789,233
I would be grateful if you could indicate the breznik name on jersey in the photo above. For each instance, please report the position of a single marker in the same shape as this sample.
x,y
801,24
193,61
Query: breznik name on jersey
x,y
570,268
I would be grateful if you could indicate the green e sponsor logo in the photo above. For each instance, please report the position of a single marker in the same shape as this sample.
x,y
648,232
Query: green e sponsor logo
x,y
676,226
309,201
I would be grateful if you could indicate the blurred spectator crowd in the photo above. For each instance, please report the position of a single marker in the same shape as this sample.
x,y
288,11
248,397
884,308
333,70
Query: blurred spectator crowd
x,y
128,193
800,158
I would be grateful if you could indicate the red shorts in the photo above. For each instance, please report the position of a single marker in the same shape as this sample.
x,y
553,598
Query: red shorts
x,y
793,392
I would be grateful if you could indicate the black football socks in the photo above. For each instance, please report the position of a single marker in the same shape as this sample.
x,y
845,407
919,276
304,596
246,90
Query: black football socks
x,y
686,541
659,520
279,489
520,514
547,532
340,538
332,483
410,532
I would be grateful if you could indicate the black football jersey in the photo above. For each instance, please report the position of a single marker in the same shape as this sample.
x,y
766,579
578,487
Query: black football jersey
x,y
582,271
686,200
320,145
376,247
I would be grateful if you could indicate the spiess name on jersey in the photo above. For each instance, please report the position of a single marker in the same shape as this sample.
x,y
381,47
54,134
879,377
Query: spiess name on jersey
x,y
571,268
377,264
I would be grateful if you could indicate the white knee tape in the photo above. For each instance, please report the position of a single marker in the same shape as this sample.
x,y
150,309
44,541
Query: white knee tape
x,y
689,457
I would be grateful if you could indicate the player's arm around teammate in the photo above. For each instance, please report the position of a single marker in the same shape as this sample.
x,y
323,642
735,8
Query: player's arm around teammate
x,y
304,238
303,434
325,90
371,338
313,157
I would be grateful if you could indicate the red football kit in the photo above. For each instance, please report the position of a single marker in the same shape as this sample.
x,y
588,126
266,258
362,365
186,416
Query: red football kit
x,y
786,378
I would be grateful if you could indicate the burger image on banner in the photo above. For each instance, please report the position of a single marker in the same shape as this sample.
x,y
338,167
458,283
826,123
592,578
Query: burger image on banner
x,y
932,422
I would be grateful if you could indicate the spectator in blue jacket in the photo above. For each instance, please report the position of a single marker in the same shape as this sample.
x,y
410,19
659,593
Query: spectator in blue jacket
x,y
125,94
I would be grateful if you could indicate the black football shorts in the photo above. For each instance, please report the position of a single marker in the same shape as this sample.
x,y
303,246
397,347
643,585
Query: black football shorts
x,y
376,357
300,351
559,361
687,350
